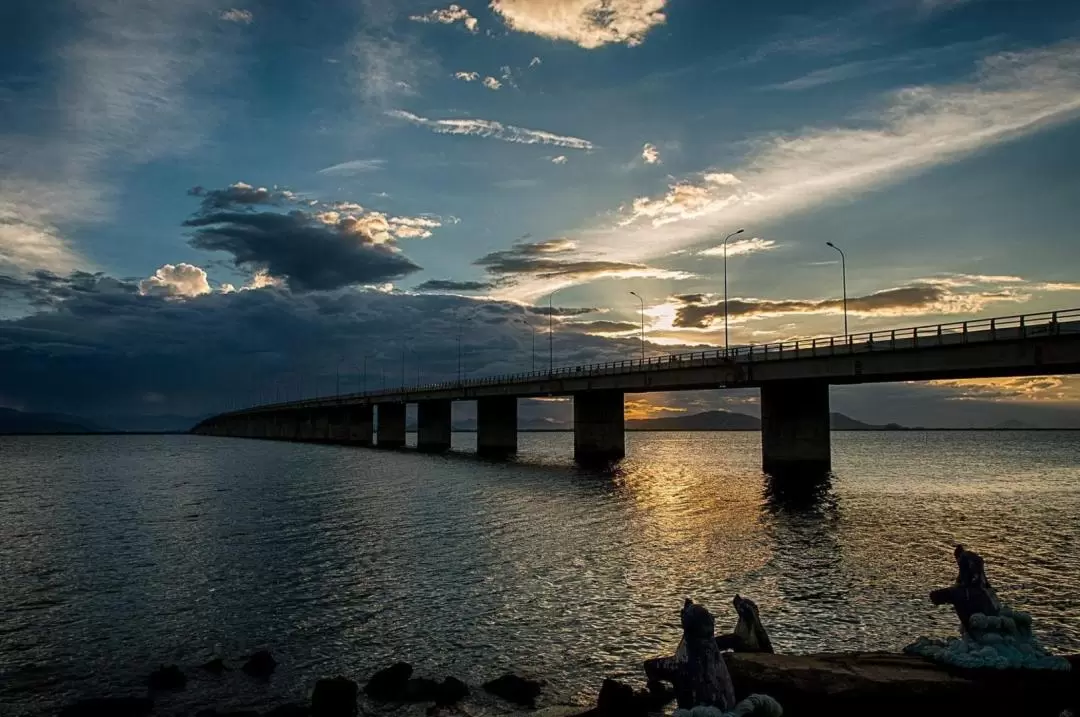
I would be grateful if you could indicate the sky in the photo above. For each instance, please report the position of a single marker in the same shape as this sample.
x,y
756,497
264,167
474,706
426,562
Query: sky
x,y
210,203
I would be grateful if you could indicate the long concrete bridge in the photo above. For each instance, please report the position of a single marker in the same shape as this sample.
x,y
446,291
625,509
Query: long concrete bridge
x,y
794,379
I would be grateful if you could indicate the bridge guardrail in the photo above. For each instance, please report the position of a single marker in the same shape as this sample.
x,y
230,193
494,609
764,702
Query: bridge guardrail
x,y
1002,328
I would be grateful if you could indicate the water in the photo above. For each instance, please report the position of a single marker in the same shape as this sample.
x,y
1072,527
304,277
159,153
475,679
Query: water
x,y
120,553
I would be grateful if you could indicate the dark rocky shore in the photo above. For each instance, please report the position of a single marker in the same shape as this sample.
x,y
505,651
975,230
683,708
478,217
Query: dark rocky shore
x,y
836,684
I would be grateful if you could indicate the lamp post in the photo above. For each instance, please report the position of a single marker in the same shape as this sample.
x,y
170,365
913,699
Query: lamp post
x,y
403,343
642,324
726,343
530,325
551,333
843,277
337,378
460,326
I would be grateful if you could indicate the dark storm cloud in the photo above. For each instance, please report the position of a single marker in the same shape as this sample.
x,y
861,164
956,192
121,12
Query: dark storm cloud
x,y
307,252
697,312
553,259
97,347
561,310
236,196
448,285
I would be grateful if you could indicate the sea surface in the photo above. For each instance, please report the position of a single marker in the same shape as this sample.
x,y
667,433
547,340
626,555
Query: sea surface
x,y
121,553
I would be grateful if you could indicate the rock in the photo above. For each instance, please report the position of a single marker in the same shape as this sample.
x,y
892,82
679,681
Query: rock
x,y
421,689
233,713
167,677
620,700
897,685
514,688
660,695
288,710
215,666
109,707
451,691
261,664
389,683
334,697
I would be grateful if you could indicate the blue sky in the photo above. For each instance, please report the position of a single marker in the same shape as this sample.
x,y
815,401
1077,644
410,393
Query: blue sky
x,y
516,147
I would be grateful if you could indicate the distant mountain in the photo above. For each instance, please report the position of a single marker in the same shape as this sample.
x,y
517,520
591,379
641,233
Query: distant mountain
x,y
840,422
707,421
1013,425
22,422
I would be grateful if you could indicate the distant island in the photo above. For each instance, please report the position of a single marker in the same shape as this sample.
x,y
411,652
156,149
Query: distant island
x,y
15,422
732,421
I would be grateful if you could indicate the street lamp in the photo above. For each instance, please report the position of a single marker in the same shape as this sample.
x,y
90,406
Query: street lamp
x,y
403,343
642,324
551,333
460,325
843,276
726,343
530,325
366,357
337,377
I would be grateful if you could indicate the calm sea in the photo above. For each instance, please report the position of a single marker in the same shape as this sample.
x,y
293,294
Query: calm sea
x,y
121,553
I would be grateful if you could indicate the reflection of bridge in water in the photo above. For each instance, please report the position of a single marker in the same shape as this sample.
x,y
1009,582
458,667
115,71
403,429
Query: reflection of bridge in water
x,y
794,379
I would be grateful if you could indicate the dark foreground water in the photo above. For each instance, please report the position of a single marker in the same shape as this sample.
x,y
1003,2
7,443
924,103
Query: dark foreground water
x,y
120,553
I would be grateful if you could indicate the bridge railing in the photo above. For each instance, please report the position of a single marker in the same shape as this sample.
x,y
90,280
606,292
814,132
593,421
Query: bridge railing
x,y
948,334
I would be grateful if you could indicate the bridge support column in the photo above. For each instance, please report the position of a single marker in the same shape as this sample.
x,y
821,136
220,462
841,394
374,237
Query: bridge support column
x,y
391,431
305,428
322,425
795,427
433,426
360,425
496,426
599,427
339,426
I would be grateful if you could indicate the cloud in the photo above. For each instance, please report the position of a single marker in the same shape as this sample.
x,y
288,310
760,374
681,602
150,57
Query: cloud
x,y
587,23
557,259
700,310
561,159
118,93
1026,388
650,154
356,166
467,76
448,16
494,130
535,61
448,285
243,17
323,246
1012,94
601,327
176,280
753,245
491,83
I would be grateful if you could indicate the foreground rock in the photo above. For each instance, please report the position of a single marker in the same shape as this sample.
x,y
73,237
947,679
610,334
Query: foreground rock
x,y
262,664
888,684
109,707
167,677
514,688
390,683
215,666
396,684
334,697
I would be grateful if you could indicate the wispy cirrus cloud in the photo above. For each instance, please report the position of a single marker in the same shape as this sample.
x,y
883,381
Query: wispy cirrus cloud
x,y
355,166
493,130
650,154
242,17
1012,94
753,245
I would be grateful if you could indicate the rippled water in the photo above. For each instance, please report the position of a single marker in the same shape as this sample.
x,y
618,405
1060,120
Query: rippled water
x,y
120,553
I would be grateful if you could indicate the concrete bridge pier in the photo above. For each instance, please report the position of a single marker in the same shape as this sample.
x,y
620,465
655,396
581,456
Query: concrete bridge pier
x,y
599,435
360,425
795,436
322,425
339,426
391,431
496,426
433,426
